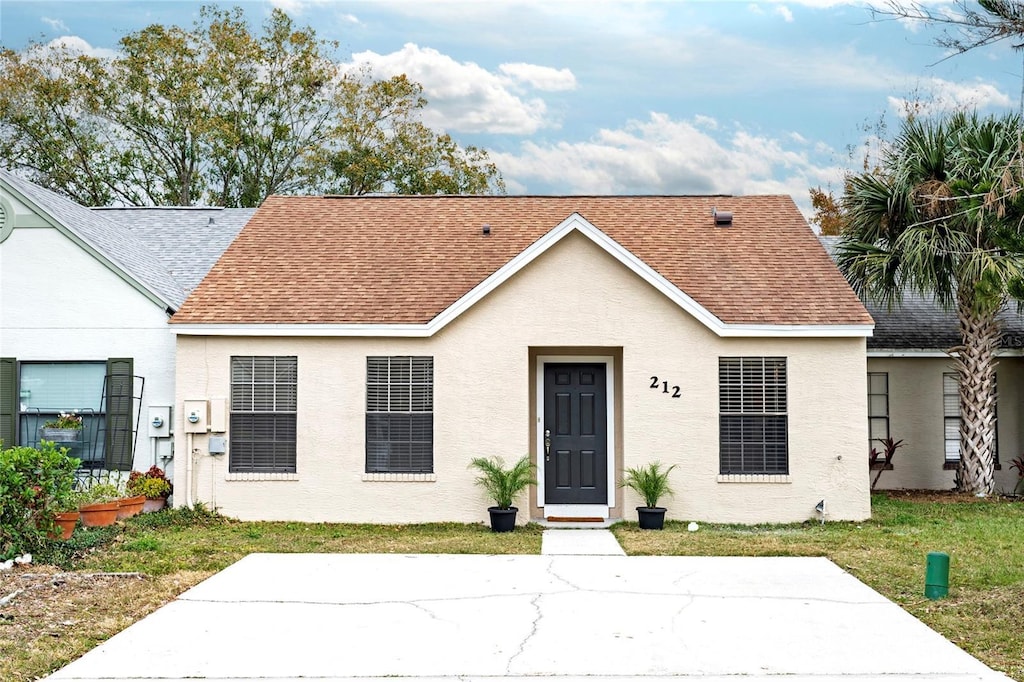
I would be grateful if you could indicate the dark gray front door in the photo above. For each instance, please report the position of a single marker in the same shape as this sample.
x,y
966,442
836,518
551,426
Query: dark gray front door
x,y
575,433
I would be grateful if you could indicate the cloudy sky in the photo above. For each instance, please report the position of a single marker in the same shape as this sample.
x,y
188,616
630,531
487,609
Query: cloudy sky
x,y
601,97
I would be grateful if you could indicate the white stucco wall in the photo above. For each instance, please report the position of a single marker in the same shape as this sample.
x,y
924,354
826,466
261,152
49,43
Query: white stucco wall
x,y
574,295
916,418
57,302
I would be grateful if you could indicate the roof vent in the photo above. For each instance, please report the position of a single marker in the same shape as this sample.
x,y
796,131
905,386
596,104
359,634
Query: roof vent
x,y
487,229
722,218
212,221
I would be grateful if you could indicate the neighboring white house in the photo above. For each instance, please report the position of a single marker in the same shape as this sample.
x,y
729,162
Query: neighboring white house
x,y
85,297
912,392
346,358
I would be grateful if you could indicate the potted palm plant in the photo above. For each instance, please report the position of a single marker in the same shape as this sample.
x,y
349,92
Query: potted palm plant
x,y
651,483
502,485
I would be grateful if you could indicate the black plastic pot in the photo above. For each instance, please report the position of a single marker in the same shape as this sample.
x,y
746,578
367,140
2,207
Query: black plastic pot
x,y
503,520
651,518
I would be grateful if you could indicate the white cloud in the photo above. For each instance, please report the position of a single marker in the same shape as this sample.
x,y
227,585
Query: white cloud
x,y
703,121
55,24
297,7
78,46
466,97
937,95
663,155
784,12
540,77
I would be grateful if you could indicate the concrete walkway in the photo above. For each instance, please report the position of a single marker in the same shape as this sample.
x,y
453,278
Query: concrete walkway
x,y
470,618
580,542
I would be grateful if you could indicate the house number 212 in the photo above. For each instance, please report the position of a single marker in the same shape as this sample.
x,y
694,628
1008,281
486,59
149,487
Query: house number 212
x,y
663,385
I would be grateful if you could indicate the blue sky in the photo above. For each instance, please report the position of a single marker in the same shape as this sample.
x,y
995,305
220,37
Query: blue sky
x,y
622,97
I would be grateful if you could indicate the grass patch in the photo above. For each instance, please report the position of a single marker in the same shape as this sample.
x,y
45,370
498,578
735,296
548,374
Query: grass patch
x,y
984,540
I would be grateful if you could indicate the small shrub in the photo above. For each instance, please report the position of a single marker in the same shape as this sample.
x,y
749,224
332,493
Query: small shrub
x,y
153,483
35,484
181,517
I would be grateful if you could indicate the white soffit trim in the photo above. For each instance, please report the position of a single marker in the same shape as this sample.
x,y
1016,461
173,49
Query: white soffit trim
x,y
575,222
925,353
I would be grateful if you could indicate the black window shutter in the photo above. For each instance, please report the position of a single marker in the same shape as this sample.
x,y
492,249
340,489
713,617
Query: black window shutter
x,y
119,436
8,401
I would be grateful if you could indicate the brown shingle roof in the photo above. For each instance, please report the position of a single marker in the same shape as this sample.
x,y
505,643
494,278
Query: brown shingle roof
x,y
350,260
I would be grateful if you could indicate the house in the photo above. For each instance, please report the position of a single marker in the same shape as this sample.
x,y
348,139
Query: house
x,y
912,392
85,296
347,357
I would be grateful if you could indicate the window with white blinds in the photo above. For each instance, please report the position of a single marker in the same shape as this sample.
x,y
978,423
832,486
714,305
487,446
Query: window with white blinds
x,y
264,394
753,421
399,414
951,419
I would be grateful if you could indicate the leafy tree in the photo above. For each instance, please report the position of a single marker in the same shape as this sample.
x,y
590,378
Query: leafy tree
x,y
217,114
932,219
828,215
384,147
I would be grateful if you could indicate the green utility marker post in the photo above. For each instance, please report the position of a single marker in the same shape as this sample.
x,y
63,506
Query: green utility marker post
x,y
936,575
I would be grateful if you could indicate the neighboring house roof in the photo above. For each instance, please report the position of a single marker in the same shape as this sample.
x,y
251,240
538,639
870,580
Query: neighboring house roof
x,y
187,240
403,260
106,238
920,323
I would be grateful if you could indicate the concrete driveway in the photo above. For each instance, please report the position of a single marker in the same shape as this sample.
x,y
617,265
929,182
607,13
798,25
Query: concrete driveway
x,y
361,617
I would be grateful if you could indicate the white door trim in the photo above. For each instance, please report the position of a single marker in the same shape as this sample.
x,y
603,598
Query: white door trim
x,y
609,362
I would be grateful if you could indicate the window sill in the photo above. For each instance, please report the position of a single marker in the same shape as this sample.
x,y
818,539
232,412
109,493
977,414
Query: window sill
x,y
754,478
260,476
401,478
882,466
951,466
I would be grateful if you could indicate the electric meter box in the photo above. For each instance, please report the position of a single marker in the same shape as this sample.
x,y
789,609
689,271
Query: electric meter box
x,y
159,421
196,416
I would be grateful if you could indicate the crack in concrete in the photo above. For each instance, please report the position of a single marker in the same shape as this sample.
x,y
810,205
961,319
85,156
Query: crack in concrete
x,y
533,631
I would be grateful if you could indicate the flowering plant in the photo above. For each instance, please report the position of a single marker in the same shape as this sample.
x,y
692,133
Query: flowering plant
x,y
65,420
153,483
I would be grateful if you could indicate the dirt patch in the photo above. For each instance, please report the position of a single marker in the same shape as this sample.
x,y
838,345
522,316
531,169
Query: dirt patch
x,y
49,617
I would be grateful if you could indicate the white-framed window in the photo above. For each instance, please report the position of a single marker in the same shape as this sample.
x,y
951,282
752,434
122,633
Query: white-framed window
x,y
753,420
878,409
399,414
264,397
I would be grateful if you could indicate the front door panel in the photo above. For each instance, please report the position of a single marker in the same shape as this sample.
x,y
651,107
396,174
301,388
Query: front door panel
x,y
575,430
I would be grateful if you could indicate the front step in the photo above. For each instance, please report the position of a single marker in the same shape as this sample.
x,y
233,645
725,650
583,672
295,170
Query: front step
x,y
579,522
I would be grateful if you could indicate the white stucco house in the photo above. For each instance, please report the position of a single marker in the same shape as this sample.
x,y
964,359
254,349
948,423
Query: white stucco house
x,y
347,357
85,296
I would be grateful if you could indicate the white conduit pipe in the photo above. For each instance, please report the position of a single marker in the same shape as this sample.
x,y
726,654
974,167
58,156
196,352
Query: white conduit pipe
x,y
188,471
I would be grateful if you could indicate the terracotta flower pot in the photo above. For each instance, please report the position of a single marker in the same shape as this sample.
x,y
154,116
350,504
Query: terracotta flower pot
x,y
67,522
101,514
130,506
154,504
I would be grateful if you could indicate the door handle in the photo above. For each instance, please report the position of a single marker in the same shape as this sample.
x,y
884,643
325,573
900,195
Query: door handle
x,y
547,445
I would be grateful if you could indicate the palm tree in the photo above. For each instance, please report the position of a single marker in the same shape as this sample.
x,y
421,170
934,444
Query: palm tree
x,y
934,218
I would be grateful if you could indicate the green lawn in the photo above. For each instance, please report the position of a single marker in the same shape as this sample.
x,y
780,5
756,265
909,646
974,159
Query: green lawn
x,y
57,620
